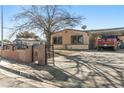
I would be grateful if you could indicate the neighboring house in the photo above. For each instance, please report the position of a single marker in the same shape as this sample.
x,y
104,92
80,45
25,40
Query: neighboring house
x,y
26,41
70,39
6,42
80,39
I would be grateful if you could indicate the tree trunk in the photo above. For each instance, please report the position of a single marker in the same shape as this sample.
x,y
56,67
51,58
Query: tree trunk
x,y
48,45
48,40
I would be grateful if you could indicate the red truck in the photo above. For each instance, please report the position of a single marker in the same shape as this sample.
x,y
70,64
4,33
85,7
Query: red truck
x,y
103,42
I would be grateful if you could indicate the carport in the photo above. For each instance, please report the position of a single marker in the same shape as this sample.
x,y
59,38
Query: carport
x,y
119,32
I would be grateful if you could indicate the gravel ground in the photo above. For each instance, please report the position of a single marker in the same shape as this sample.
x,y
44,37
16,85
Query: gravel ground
x,y
72,69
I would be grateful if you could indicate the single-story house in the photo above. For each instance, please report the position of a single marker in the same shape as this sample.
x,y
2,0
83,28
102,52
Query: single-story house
x,y
82,39
70,39
26,41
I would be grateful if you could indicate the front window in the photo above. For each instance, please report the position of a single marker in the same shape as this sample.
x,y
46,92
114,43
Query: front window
x,y
57,40
78,39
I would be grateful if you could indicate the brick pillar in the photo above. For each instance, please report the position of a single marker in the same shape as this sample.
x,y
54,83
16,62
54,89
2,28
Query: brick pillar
x,y
41,55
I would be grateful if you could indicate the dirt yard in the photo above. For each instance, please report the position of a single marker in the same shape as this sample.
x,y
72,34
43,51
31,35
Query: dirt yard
x,y
93,68
84,69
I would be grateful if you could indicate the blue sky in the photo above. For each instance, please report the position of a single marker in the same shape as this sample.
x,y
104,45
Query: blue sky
x,y
97,17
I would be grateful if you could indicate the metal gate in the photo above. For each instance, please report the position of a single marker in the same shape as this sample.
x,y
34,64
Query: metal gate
x,y
50,54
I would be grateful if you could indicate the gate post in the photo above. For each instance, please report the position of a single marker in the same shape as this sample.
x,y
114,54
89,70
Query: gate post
x,y
41,55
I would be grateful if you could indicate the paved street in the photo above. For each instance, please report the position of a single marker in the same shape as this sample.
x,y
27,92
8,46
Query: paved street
x,y
19,75
10,79
6,81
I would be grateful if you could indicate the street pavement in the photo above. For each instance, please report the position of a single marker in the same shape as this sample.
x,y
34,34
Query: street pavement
x,y
14,75
6,81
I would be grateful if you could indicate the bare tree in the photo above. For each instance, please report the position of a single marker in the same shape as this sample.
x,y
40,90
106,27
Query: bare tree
x,y
46,19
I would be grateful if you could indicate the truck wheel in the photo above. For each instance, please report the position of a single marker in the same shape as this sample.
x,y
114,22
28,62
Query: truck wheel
x,y
115,48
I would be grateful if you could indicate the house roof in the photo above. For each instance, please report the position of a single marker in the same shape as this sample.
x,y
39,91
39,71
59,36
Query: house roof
x,y
69,30
120,29
27,39
106,29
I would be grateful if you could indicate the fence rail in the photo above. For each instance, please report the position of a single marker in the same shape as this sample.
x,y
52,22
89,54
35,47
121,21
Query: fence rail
x,y
50,54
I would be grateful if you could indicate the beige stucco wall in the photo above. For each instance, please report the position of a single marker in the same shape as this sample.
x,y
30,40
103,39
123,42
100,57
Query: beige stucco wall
x,y
18,55
59,46
66,39
25,55
121,38
71,46
77,46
